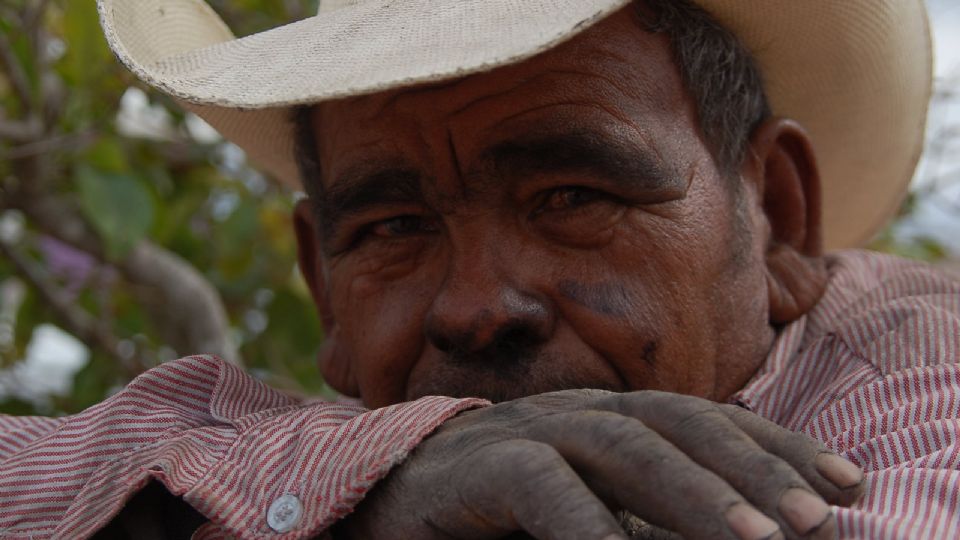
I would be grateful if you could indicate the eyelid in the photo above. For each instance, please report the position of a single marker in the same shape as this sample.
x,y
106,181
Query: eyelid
x,y
425,223
534,187
353,230
597,196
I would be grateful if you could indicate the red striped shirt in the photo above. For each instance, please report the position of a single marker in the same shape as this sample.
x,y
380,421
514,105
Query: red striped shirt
x,y
872,372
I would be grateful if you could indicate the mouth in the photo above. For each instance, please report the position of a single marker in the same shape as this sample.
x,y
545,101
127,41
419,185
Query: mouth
x,y
498,381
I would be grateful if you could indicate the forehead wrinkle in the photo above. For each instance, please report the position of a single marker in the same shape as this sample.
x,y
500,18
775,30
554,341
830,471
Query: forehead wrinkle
x,y
369,109
323,127
621,118
531,80
391,99
627,90
365,171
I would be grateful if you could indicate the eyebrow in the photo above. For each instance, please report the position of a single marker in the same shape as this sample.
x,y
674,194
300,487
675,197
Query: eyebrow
x,y
363,188
371,185
583,152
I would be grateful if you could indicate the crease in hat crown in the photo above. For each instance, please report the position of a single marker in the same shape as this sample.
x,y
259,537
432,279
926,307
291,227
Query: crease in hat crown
x,y
856,73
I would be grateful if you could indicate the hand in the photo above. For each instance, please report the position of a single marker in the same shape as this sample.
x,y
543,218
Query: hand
x,y
557,465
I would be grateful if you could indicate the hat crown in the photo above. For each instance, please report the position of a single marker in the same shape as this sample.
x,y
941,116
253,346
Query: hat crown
x,y
327,6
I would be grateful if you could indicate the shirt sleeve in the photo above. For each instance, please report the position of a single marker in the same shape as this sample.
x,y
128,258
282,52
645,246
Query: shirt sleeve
x,y
255,462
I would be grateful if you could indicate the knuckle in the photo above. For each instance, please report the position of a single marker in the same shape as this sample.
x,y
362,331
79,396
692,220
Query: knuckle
x,y
801,443
641,398
524,458
732,411
767,469
707,493
532,473
658,405
506,469
698,418
520,409
566,399
616,434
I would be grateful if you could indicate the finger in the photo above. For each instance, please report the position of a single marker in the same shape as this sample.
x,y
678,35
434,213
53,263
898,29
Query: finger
x,y
705,434
631,465
836,479
526,485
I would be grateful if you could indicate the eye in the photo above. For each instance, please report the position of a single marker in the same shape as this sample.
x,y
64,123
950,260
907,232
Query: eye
x,y
401,226
569,198
578,216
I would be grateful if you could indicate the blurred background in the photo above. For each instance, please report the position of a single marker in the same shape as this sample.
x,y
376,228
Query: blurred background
x,y
131,233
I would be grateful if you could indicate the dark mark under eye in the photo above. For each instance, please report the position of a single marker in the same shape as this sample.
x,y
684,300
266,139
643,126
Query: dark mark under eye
x,y
610,299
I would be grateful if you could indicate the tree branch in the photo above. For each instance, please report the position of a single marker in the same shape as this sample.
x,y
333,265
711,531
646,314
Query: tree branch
x,y
74,319
21,131
62,143
186,309
33,18
18,77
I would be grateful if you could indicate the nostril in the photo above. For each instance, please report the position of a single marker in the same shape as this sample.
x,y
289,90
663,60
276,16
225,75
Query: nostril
x,y
514,343
457,336
517,337
452,344
510,329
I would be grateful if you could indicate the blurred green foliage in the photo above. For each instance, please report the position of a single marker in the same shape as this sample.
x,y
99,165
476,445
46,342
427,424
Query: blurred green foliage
x,y
197,198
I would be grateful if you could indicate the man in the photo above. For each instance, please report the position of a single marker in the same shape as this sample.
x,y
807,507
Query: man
x,y
590,213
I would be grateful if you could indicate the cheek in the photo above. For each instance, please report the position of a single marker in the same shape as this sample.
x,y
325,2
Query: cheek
x,y
380,315
714,277
654,301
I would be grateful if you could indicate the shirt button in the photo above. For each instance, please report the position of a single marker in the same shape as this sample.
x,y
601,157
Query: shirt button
x,y
284,513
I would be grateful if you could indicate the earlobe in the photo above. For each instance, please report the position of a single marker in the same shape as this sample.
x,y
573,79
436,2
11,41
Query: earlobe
x,y
334,363
795,283
788,180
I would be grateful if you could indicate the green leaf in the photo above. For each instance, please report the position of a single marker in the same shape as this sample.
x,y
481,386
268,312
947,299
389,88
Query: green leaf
x,y
107,155
20,48
92,383
31,314
87,53
118,205
16,407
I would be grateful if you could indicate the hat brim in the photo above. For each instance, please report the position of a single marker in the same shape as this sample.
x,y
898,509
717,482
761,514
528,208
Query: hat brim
x,y
857,74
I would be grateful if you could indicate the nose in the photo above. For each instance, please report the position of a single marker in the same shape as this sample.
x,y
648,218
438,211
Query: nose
x,y
478,310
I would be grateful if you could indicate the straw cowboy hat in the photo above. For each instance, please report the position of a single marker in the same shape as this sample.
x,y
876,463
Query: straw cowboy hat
x,y
856,73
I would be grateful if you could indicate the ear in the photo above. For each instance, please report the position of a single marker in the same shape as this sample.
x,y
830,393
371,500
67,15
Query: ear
x,y
335,364
783,167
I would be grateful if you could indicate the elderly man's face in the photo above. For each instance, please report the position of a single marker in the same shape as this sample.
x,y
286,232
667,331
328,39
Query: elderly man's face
x,y
554,224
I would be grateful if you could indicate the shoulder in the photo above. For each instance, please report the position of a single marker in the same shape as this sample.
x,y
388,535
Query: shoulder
x,y
884,323
891,312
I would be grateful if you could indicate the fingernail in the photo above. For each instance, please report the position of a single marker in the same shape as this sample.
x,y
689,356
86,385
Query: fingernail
x,y
749,524
803,510
839,471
